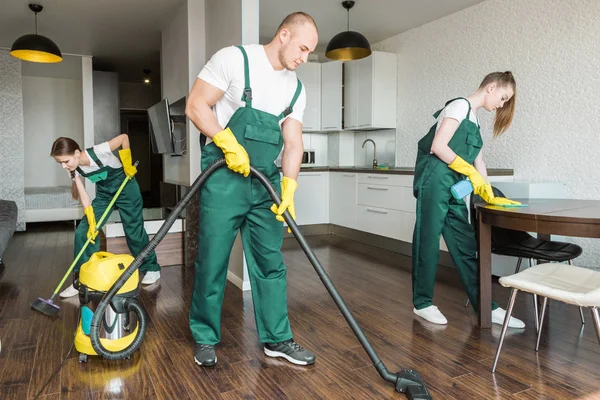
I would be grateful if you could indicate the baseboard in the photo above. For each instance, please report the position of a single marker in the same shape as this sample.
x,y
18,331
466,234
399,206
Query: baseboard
x,y
237,281
385,243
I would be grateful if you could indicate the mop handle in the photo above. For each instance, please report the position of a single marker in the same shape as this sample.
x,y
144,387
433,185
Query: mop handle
x,y
98,225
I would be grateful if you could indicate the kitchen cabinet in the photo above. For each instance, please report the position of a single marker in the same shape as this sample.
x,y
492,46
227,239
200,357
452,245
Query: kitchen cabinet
x,y
386,205
343,208
312,198
310,76
331,96
370,92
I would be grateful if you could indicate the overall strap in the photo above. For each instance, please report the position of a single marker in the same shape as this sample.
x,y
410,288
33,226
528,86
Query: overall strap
x,y
92,154
437,113
290,108
247,96
94,157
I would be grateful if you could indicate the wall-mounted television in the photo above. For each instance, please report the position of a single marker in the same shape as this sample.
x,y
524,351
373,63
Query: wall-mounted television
x,y
161,128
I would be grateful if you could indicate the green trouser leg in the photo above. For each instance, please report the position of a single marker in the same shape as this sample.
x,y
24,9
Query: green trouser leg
x,y
462,244
130,205
262,237
438,213
227,205
224,200
99,204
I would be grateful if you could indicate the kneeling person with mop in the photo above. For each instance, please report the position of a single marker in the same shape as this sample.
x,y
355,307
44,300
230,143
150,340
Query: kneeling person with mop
x,y
103,168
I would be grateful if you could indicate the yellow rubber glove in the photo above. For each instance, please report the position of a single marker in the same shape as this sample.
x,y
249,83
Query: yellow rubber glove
x,y
501,201
288,187
91,218
235,155
462,167
128,168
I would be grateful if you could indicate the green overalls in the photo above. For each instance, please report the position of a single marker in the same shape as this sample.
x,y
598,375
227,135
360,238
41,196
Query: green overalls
x,y
129,203
229,202
439,213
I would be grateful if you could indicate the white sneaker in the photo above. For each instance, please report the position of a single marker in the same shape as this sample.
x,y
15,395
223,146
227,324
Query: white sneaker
x,y
69,292
498,316
151,277
431,314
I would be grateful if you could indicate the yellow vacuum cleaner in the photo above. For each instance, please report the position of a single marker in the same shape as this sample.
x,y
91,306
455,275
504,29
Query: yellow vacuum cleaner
x,y
124,323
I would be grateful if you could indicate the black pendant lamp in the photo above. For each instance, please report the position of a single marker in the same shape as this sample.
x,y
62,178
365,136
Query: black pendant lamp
x,y
348,45
34,47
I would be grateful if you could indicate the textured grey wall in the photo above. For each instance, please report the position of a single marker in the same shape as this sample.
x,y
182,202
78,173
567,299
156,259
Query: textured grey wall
x,y
12,153
552,48
107,122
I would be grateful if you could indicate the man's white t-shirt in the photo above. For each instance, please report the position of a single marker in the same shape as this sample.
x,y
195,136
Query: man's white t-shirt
x,y
105,156
272,91
458,111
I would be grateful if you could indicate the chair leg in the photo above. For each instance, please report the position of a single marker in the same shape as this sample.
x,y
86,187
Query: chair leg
x,y
535,307
580,308
596,321
541,323
519,265
535,304
511,303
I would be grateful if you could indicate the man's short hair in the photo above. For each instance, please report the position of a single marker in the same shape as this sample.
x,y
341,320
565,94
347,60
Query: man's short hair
x,y
296,18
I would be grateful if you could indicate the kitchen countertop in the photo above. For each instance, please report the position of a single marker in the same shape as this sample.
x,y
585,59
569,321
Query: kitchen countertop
x,y
393,171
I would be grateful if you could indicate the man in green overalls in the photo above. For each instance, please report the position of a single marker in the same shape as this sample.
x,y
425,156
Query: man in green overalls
x,y
252,91
450,151
102,167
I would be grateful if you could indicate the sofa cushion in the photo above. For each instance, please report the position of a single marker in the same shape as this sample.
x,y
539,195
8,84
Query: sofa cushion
x,y
8,222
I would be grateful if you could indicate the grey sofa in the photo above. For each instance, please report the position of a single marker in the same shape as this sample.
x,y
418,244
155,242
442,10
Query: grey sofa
x,y
8,223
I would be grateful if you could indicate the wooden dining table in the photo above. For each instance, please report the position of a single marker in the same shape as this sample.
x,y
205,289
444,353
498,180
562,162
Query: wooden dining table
x,y
546,217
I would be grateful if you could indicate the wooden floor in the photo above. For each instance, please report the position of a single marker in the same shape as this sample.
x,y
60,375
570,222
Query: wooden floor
x,y
454,361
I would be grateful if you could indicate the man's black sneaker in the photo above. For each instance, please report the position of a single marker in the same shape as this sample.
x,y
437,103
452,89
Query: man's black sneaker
x,y
204,354
291,351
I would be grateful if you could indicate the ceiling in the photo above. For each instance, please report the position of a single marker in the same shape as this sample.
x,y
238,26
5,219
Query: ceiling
x,y
375,19
124,35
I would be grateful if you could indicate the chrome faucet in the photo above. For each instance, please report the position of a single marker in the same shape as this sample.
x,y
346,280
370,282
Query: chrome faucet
x,y
374,152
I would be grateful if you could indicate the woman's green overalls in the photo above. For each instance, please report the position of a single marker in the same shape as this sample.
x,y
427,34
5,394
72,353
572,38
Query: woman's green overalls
x,y
439,213
228,203
129,203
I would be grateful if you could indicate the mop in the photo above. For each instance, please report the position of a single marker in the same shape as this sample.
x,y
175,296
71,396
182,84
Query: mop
x,y
48,307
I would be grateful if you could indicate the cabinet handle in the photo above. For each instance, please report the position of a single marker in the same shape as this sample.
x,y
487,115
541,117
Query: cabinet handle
x,y
330,127
376,211
376,188
377,177
349,175
361,125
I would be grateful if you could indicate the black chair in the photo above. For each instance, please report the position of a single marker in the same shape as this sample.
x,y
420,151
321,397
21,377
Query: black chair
x,y
508,242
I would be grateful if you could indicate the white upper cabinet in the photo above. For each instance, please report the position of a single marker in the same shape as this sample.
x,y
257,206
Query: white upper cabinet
x,y
310,76
331,96
370,92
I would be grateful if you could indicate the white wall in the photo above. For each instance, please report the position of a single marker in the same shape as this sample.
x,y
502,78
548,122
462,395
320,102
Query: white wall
x,y
224,27
52,108
552,48
174,81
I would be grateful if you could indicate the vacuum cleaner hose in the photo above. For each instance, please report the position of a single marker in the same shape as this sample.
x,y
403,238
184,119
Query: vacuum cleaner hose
x,y
406,381
162,232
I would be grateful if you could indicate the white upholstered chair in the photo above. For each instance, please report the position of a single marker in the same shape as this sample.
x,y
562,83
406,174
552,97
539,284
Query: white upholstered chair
x,y
570,284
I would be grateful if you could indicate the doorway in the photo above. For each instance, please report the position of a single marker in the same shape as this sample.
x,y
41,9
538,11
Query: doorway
x,y
136,125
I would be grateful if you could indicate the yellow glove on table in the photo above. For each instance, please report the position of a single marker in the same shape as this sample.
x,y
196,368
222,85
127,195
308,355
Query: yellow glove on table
x,y
288,187
91,218
128,168
235,155
501,201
